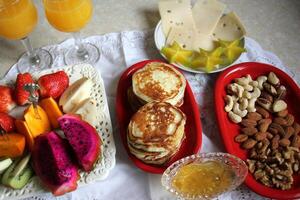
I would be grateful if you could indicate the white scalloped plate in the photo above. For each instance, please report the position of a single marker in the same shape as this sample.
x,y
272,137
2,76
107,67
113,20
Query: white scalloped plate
x,y
104,128
160,41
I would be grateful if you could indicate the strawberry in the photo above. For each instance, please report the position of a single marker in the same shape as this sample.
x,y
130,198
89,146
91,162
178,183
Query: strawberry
x,y
53,85
6,99
7,123
21,94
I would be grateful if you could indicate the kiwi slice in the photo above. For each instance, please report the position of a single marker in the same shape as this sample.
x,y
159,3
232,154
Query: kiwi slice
x,y
18,174
4,164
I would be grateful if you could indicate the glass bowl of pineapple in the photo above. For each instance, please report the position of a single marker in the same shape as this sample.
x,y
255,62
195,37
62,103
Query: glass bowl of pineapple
x,y
204,175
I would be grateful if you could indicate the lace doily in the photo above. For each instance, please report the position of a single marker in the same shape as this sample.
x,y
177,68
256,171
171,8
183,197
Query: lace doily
x,y
119,51
103,127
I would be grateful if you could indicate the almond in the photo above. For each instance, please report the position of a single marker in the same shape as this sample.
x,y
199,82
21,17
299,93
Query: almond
x,y
275,142
260,136
289,131
254,116
249,131
262,111
241,138
290,119
249,123
282,113
278,128
284,142
296,127
249,144
273,130
281,121
264,124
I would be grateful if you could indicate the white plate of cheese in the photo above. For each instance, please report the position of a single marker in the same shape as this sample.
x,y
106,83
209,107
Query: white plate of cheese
x,y
197,27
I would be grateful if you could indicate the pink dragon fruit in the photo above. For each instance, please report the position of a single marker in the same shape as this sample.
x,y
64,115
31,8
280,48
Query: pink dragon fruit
x,y
83,139
53,164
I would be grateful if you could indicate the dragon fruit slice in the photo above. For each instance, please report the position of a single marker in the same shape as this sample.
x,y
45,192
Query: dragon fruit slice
x,y
53,165
83,139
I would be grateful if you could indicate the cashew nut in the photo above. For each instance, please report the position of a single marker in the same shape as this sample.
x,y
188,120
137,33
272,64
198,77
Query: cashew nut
x,y
254,83
256,93
244,80
243,103
261,80
234,117
247,95
236,110
229,103
251,105
236,89
248,87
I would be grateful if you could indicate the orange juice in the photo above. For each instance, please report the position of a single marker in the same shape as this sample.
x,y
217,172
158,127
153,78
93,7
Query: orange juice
x,y
68,15
17,18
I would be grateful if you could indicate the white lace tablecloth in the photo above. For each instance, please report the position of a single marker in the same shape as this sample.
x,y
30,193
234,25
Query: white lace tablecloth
x,y
119,51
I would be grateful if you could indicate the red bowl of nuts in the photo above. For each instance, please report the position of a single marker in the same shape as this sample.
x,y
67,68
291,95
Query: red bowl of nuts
x,y
258,114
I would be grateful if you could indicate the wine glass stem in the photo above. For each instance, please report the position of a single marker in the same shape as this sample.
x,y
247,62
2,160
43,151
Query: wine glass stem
x,y
82,53
33,58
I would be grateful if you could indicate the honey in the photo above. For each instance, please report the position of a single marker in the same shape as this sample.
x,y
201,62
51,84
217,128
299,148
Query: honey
x,y
203,179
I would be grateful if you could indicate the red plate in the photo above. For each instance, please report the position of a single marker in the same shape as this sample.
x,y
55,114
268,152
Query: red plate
x,y
193,130
229,130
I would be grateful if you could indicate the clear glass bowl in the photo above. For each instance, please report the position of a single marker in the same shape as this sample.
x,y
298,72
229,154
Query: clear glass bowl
x,y
238,166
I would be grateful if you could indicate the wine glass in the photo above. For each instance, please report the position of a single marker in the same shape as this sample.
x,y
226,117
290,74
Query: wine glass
x,y
17,19
71,16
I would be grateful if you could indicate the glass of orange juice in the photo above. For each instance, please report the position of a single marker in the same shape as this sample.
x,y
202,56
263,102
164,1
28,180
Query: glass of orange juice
x,y
71,16
17,19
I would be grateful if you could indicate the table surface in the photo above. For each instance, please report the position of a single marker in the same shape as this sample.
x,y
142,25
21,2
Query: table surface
x,y
275,24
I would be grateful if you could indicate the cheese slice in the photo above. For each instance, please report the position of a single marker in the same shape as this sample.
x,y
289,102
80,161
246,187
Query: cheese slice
x,y
206,14
175,14
203,41
229,28
184,37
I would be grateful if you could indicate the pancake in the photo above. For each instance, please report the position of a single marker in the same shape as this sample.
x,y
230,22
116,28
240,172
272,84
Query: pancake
x,y
155,132
159,82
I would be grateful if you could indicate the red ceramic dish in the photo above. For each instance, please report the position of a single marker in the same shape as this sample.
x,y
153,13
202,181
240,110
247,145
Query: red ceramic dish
x,y
229,130
193,130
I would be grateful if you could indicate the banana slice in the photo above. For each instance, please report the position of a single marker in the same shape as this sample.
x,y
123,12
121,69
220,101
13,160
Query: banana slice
x,y
4,164
87,110
75,94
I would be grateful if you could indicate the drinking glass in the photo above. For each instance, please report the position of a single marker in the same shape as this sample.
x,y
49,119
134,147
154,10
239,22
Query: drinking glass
x,y
17,19
71,16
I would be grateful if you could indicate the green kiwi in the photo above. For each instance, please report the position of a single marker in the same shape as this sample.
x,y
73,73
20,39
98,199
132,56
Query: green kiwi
x,y
4,164
18,174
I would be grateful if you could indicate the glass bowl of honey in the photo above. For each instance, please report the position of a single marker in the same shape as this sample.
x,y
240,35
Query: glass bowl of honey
x,y
204,175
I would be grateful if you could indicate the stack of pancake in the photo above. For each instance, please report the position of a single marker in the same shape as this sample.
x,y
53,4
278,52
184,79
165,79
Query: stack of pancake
x,y
156,130
156,82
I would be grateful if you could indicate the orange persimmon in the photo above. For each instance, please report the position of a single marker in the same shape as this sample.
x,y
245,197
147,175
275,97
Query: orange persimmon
x,y
52,109
37,120
12,145
23,129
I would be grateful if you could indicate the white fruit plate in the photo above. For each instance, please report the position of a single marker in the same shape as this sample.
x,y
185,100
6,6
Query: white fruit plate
x,y
160,42
104,128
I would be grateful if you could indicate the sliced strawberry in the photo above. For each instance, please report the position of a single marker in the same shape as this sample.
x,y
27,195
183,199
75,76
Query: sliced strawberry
x,y
7,123
6,99
21,94
53,85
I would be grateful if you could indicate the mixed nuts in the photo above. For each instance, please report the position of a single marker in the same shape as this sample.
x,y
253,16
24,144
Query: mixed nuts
x,y
270,134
